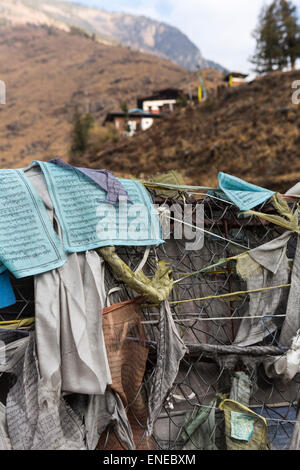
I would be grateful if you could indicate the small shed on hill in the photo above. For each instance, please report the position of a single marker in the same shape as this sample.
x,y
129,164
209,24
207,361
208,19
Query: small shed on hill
x,y
135,120
161,101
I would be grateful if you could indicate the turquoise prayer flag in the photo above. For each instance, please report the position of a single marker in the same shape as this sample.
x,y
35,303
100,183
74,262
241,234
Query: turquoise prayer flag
x,y
28,242
87,222
244,195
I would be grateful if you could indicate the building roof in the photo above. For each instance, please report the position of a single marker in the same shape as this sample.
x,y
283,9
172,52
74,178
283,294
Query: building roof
x,y
166,93
136,112
235,75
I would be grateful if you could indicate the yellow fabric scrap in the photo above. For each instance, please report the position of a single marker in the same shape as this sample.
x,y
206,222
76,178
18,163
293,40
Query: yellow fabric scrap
x,y
156,289
259,437
286,220
173,177
246,266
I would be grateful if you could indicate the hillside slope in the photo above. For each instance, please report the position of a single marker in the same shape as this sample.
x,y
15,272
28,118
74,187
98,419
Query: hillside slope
x,y
139,32
252,132
48,72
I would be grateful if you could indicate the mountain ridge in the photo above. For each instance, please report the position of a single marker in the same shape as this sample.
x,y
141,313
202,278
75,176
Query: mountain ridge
x,y
49,72
138,32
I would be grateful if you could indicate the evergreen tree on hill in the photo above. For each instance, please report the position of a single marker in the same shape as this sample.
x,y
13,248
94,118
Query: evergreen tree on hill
x,y
290,31
277,37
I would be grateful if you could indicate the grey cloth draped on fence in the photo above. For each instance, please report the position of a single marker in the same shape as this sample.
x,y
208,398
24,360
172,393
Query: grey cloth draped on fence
x,y
170,351
70,342
282,366
272,270
200,427
292,321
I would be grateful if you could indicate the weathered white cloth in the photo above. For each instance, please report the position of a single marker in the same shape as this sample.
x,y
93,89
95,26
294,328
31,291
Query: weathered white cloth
x,y
288,365
68,309
294,191
292,321
103,411
274,271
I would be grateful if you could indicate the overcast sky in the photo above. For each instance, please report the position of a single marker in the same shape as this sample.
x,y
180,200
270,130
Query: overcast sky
x,y
220,28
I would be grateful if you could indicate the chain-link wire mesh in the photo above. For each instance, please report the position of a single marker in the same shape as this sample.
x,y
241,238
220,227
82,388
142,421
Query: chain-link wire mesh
x,y
204,375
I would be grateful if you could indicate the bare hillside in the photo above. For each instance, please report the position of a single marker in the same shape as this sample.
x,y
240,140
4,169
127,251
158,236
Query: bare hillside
x,y
48,72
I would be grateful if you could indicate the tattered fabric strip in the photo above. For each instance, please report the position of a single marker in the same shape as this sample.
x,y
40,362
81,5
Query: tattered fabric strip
x,y
287,219
156,289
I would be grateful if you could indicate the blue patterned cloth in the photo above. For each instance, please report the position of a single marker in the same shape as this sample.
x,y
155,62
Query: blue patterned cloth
x,y
28,242
88,223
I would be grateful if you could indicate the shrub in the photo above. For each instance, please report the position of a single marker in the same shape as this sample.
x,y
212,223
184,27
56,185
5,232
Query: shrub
x,y
80,132
98,135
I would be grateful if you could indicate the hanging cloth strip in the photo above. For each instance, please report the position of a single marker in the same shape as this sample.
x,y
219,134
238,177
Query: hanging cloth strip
x,y
125,339
156,289
287,219
70,343
170,352
38,417
122,322
264,268
104,413
200,428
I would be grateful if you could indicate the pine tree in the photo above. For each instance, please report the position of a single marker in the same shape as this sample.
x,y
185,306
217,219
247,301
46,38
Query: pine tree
x,y
269,54
290,31
277,37
80,132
